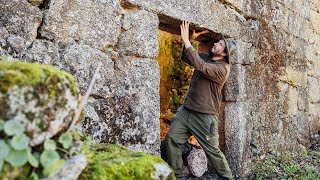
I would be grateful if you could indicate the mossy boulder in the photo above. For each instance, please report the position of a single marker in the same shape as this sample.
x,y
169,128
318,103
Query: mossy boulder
x,y
108,161
41,97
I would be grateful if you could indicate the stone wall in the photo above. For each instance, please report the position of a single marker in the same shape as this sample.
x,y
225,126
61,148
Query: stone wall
x,y
74,36
272,96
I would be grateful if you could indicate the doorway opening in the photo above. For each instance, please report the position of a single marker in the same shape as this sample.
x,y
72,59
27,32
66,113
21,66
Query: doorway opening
x,y
175,75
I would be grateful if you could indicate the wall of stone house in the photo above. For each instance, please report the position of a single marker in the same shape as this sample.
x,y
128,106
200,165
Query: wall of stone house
x,y
274,101
75,35
271,101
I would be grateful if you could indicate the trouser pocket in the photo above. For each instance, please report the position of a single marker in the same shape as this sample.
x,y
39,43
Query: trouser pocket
x,y
213,124
212,128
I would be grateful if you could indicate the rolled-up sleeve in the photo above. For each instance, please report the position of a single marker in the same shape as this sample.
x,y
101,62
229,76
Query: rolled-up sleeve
x,y
214,71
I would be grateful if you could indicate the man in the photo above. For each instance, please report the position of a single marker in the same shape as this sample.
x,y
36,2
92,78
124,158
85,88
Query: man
x,y
198,115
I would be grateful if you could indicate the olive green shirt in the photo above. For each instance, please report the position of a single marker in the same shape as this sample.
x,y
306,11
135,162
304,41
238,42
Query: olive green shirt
x,y
204,94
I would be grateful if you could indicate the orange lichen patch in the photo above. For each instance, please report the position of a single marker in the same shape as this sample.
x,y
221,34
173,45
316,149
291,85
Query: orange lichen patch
x,y
192,140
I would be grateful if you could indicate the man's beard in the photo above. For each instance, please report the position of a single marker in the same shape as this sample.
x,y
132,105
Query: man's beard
x,y
211,53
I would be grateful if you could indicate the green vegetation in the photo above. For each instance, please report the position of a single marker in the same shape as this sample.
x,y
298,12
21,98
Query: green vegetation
x,y
108,161
18,73
289,166
19,160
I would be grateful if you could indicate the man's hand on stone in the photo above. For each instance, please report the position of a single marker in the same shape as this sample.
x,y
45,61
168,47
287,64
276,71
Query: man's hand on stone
x,y
184,27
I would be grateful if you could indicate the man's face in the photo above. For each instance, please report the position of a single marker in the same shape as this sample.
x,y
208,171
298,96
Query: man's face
x,y
218,48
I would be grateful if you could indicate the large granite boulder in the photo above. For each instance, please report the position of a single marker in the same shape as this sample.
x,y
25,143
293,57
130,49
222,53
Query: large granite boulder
x,y
108,161
42,98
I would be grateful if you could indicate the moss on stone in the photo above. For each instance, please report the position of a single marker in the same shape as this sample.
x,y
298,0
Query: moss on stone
x,y
17,173
108,161
17,73
303,165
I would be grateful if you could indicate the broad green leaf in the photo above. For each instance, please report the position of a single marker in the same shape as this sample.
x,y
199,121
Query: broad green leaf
x,y
47,157
29,150
1,124
4,149
17,158
34,176
13,127
49,144
53,167
1,165
66,140
20,142
33,160
72,150
37,155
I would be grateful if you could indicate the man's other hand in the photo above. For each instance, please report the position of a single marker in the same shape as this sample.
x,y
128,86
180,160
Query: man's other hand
x,y
195,35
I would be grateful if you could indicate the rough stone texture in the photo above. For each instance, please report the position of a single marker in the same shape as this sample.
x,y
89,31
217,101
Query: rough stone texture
x,y
42,98
236,129
205,14
21,20
71,169
197,162
235,89
79,60
143,41
271,99
273,107
162,170
130,117
44,52
95,23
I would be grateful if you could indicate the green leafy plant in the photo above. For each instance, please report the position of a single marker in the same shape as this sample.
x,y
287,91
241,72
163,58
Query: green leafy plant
x,y
1,124
66,140
288,166
44,159
13,127
20,142
49,144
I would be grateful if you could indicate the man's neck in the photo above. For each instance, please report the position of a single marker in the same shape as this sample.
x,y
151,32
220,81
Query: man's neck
x,y
217,58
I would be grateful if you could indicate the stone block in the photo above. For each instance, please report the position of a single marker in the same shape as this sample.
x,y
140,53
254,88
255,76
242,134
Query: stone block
x,y
95,23
21,20
140,35
206,13
237,136
314,89
131,115
235,87
81,61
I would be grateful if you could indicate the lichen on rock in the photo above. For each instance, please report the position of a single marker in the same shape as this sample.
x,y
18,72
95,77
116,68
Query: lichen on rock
x,y
108,161
41,97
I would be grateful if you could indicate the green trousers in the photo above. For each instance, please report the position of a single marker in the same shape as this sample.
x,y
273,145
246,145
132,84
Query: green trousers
x,y
205,129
